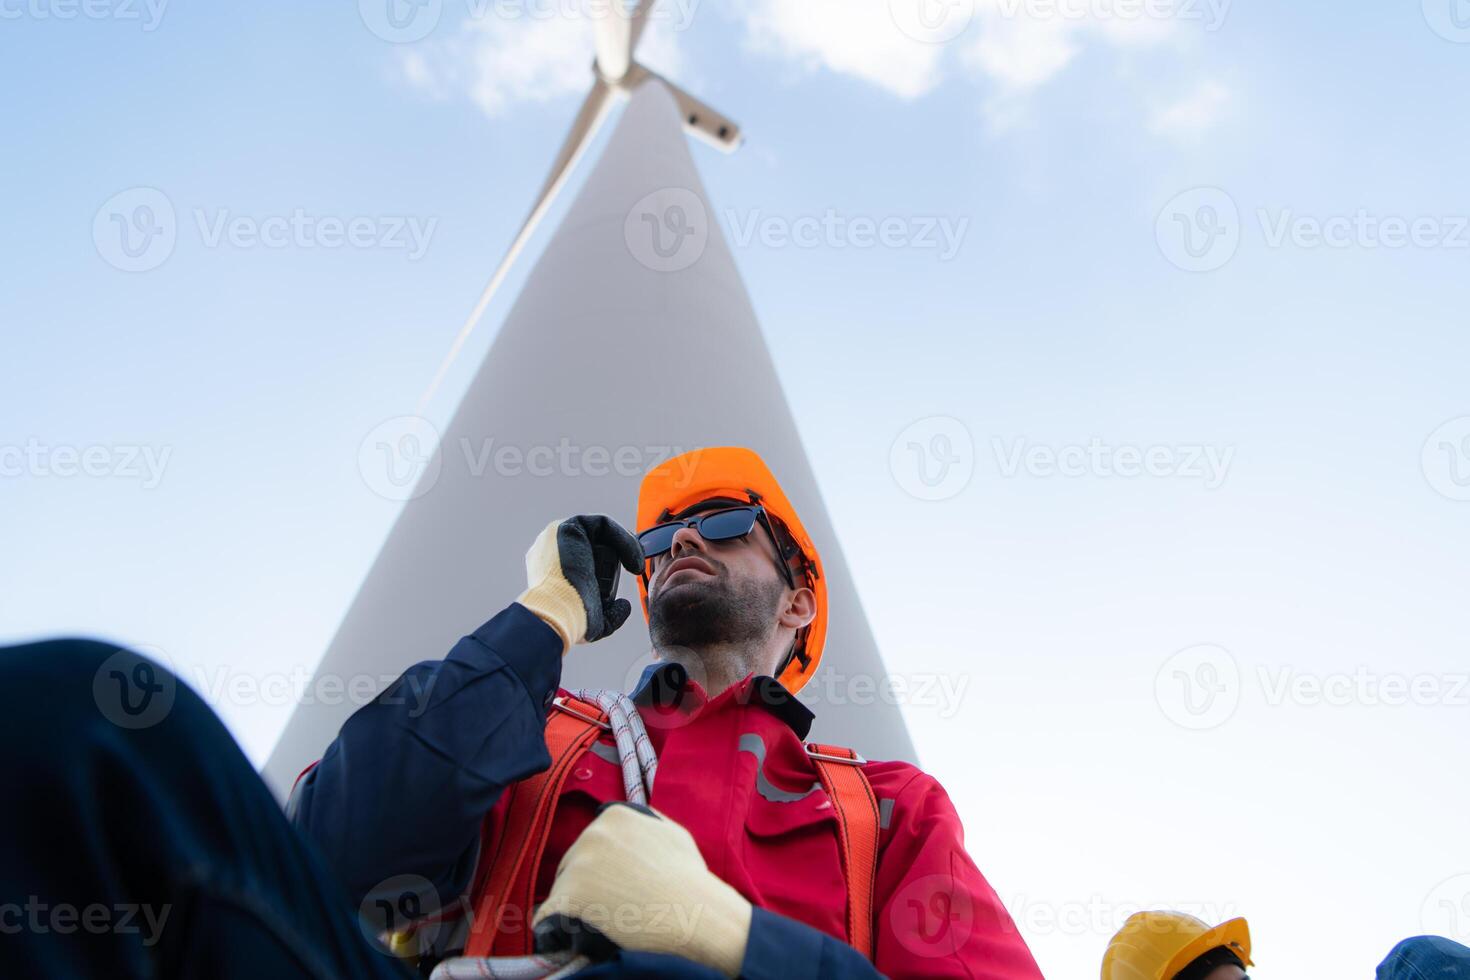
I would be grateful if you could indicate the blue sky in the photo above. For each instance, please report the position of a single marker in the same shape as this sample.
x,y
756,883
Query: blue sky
x,y
1313,344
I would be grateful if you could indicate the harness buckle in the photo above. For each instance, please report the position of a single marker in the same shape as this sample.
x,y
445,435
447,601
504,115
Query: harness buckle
x,y
560,704
813,750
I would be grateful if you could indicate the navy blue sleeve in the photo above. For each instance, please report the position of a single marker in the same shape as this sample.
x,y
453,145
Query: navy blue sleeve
x,y
405,785
779,947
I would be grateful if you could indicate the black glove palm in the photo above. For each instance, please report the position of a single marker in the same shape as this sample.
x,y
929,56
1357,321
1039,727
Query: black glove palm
x,y
572,573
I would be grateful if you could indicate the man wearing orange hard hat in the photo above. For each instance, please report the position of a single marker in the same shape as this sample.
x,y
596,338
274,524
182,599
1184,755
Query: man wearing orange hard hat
x,y
485,822
686,830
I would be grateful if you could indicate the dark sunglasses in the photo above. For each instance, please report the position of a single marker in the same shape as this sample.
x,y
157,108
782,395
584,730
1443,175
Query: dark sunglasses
x,y
719,525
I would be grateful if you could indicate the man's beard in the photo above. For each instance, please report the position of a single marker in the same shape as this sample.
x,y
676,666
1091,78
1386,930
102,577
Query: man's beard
x,y
706,613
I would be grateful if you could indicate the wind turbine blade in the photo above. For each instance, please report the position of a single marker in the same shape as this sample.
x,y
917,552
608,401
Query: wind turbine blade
x,y
639,21
614,39
589,117
700,120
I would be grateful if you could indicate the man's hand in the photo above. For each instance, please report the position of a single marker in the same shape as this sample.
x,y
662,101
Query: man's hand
x,y
640,880
562,576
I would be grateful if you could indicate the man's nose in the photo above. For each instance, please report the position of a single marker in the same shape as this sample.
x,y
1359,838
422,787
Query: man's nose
x,y
685,538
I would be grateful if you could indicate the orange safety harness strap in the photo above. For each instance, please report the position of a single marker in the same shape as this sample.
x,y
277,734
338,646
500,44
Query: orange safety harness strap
x,y
842,776
570,730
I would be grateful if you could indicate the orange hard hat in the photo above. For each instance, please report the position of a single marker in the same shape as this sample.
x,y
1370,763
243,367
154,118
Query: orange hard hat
x,y
737,473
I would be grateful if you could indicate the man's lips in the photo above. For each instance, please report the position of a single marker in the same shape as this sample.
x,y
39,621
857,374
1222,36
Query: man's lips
x,y
685,564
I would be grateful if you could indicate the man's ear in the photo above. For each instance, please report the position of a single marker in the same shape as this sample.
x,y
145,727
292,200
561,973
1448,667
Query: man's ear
x,y
800,608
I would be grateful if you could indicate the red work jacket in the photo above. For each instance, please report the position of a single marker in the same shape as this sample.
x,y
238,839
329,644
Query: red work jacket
x,y
734,771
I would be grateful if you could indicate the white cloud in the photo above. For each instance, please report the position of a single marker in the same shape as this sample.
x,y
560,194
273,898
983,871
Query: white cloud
x,y
1009,48
847,37
1020,53
501,62
1190,116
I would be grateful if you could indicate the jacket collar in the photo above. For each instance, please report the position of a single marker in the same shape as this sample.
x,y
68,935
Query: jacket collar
x,y
668,684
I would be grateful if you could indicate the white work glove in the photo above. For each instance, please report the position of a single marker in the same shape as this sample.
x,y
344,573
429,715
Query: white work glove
x,y
568,568
639,879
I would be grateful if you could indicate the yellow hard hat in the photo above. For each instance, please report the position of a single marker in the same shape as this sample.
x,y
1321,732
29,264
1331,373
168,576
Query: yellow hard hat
x,y
1157,945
